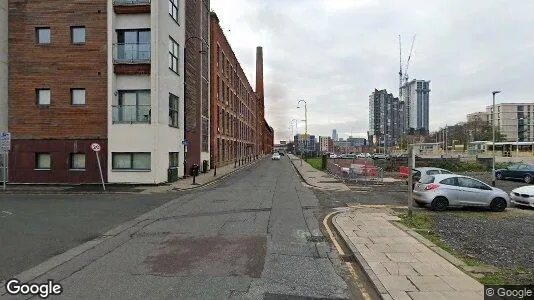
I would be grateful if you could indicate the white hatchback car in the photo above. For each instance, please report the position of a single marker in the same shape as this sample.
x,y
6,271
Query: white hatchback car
x,y
276,156
523,196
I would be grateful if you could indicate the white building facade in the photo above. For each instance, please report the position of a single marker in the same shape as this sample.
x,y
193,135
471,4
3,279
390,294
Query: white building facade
x,y
416,97
145,91
515,120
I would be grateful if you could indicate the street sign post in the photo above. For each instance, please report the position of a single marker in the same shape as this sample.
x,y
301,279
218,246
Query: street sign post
x,y
96,148
5,146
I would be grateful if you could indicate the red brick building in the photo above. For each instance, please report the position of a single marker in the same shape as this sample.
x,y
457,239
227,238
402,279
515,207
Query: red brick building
x,y
237,123
197,106
57,89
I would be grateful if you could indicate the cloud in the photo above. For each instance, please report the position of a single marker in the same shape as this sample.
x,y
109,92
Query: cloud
x,y
334,53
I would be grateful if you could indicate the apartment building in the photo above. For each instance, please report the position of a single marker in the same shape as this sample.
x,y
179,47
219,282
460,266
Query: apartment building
x,y
324,143
416,98
235,119
102,71
515,120
197,90
385,122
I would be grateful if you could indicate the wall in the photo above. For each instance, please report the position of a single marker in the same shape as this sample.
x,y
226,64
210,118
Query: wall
x,y
3,66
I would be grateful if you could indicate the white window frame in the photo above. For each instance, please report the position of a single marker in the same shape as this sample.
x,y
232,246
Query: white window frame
x,y
174,10
131,166
72,161
174,56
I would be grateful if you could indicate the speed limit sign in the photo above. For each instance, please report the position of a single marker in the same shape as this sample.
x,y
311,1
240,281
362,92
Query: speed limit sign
x,y
96,147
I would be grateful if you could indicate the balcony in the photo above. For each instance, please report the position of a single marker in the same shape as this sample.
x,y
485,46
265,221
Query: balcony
x,y
131,59
131,114
131,6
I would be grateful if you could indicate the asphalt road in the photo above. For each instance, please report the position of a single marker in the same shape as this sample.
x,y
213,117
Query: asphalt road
x,y
254,235
33,228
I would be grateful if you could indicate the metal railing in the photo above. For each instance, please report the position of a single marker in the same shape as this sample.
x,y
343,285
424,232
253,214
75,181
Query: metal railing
x,y
354,171
131,2
131,114
131,53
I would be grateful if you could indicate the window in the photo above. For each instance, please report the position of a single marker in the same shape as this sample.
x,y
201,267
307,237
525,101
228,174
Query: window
x,y
42,161
42,35
173,10
133,45
131,161
449,181
43,96
174,159
205,134
133,107
77,34
173,55
77,96
173,110
77,161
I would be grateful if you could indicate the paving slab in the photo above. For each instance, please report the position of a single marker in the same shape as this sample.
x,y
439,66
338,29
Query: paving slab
x,y
399,265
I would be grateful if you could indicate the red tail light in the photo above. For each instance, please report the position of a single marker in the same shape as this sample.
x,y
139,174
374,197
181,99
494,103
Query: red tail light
x,y
432,186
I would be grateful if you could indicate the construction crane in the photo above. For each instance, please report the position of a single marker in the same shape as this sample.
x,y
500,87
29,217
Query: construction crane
x,y
408,61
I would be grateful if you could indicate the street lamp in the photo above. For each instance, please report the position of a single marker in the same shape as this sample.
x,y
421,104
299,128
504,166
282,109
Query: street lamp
x,y
306,125
185,95
493,148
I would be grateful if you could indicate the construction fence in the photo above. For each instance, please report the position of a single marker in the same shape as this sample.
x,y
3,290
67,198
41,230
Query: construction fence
x,y
354,170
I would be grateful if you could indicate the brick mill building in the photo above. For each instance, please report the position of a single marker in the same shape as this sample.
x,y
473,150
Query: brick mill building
x,y
112,72
237,111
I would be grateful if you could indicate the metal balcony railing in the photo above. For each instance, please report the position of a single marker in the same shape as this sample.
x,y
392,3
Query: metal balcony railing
x,y
131,114
131,53
131,2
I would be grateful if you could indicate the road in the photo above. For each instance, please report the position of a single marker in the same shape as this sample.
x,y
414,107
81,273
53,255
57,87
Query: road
x,y
253,235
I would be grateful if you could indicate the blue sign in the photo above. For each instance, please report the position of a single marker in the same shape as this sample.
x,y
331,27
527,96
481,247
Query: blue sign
x,y
184,142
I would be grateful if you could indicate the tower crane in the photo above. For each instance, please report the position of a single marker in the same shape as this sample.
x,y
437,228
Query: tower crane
x,y
408,61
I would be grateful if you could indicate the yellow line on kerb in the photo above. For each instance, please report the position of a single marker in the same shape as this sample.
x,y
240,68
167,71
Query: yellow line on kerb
x,y
357,278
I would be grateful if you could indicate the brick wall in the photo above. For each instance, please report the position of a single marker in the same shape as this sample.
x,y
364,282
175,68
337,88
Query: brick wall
x,y
58,66
233,103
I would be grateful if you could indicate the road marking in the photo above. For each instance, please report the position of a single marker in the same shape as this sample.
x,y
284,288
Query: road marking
x,y
7,212
357,280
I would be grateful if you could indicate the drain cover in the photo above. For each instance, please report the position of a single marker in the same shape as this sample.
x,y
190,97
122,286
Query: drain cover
x,y
316,238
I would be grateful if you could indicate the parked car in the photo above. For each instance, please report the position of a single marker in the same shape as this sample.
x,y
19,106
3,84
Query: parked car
x,y
276,156
418,173
332,155
443,190
380,156
281,153
523,196
520,171
348,156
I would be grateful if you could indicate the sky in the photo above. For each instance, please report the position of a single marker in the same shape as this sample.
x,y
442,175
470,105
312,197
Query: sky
x,y
334,53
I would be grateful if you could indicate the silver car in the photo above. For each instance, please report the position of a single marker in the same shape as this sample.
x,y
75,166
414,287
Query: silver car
x,y
443,190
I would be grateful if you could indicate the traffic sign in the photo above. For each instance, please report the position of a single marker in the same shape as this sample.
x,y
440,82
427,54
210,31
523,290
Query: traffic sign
x,y
96,147
5,141
184,142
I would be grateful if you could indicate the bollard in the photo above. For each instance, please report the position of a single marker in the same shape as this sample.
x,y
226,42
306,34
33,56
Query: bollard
x,y
235,163
215,171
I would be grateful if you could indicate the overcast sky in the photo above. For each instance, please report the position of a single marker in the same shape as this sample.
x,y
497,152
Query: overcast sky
x,y
334,53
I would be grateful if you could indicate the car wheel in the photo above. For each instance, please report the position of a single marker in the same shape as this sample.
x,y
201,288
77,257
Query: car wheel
x,y
527,178
439,204
499,176
498,204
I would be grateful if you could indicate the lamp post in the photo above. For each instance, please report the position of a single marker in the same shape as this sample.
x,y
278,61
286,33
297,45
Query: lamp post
x,y
185,93
493,134
306,126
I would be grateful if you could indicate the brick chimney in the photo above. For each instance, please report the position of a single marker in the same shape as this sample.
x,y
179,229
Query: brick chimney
x,y
259,73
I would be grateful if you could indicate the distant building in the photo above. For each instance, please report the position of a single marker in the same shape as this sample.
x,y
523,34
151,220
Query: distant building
x,y
305,144
515,120
325,143
283,142
478,116
384,118
334,135
415,95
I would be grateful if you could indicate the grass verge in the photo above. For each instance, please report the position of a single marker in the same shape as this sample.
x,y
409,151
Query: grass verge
x,y
423,223
316,162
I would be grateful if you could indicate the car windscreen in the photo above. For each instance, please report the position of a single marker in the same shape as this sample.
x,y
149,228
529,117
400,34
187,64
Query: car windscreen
x,y
427,179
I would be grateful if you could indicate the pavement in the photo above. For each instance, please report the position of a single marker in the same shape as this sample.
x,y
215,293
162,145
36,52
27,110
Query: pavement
x,y
111,188
400,264
315,177
253,235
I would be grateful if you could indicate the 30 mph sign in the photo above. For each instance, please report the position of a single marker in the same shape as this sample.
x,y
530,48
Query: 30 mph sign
x,y
96,147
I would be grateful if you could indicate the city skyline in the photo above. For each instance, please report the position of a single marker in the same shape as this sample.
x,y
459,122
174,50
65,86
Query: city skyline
x,y
441,28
